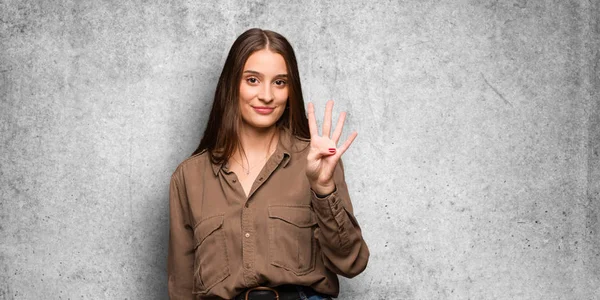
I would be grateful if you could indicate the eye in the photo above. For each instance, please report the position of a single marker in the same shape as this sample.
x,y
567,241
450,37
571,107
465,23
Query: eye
x,y
252,80
280,82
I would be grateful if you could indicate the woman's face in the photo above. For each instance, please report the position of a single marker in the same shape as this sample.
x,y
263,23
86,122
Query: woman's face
x,y
263,89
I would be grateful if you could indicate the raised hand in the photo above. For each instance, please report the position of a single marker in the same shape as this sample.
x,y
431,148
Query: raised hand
x,y
324,153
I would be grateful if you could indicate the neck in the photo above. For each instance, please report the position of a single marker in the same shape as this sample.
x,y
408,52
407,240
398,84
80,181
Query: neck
x,y
257,142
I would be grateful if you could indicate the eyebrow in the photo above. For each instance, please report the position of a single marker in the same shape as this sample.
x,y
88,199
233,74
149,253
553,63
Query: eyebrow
x,y
258,73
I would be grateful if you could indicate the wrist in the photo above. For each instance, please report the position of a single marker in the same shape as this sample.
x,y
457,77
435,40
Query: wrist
x,y
323,190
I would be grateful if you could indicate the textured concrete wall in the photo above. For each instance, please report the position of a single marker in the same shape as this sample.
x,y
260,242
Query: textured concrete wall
x,y
475,175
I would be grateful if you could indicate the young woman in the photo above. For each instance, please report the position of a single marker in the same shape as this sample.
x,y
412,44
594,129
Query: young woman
x,y
261,209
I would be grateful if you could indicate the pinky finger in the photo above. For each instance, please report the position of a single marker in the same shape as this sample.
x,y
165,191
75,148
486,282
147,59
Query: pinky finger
x,y
347,143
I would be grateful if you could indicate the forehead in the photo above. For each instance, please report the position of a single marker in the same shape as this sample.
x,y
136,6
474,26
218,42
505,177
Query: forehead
x,y
266,62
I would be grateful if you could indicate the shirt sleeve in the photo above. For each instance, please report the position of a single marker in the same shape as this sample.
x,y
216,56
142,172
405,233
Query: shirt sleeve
x,y
180,260
343,247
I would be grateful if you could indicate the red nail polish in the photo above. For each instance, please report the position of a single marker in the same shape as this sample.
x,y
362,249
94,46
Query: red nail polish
x,y
331,149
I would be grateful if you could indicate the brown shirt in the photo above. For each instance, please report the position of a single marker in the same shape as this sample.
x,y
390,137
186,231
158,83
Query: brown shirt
x,y
222,242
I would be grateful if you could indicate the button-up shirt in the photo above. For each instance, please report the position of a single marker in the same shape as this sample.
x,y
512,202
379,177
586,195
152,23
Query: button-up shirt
x,y
222,242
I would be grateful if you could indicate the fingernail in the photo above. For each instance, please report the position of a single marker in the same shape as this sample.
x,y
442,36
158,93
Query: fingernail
x,y
331,150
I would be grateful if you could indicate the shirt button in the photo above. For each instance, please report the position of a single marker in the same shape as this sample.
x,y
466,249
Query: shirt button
x,y
234,181
247,235
260,179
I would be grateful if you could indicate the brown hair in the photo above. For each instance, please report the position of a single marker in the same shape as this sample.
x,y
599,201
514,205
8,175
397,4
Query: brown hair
x,y
221,136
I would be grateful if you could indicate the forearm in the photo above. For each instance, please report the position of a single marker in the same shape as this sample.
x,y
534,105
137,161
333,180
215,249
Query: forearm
x,y
339,235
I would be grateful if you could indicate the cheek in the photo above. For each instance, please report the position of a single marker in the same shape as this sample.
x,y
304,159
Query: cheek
x,y
282,95
246,93
282,98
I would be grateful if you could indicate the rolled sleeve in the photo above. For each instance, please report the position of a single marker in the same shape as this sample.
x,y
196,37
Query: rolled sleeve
x,y
344,249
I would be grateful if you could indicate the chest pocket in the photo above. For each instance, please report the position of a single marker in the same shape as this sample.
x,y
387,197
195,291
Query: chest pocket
x,y
211,264
292,244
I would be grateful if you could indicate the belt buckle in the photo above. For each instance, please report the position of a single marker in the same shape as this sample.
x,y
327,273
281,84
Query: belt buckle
x,y
261,288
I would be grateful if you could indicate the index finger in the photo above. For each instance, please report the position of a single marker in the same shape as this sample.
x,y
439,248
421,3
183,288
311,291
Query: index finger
x,y
312,122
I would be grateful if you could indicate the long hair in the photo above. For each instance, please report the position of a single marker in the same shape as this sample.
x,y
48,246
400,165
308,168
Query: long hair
x,y
221,136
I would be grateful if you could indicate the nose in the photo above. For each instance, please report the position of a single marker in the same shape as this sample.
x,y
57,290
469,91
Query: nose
x,y
266,93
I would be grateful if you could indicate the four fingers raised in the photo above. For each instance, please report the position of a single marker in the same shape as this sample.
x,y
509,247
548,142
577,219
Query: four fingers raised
x,y
328,150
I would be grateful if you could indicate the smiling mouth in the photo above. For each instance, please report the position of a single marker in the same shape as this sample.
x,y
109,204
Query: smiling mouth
x,y
263,110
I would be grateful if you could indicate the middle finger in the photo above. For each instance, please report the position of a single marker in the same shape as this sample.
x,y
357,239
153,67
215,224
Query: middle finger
x,y
327,120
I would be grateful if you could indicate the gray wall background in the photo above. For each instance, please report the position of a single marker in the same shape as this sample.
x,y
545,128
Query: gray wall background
x,y
475,175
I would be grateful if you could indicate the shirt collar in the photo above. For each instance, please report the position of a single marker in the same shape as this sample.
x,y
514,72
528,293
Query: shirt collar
x,y
281,154
216,167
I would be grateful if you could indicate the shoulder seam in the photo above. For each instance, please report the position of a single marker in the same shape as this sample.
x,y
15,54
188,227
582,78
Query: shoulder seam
x,y
187,160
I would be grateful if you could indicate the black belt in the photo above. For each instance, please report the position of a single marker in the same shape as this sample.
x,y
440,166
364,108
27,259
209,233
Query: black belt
x,y
283,292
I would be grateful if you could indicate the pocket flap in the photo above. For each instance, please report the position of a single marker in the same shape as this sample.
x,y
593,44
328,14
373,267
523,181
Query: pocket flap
x,y
206,227
301,216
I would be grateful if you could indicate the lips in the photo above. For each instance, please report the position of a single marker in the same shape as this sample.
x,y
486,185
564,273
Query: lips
x,y
263,110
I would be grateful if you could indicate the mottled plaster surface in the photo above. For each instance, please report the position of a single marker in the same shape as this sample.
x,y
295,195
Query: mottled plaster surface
x,y
475,175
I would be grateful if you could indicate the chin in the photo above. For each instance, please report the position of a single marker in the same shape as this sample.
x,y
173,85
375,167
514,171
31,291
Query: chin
x,y
262,125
